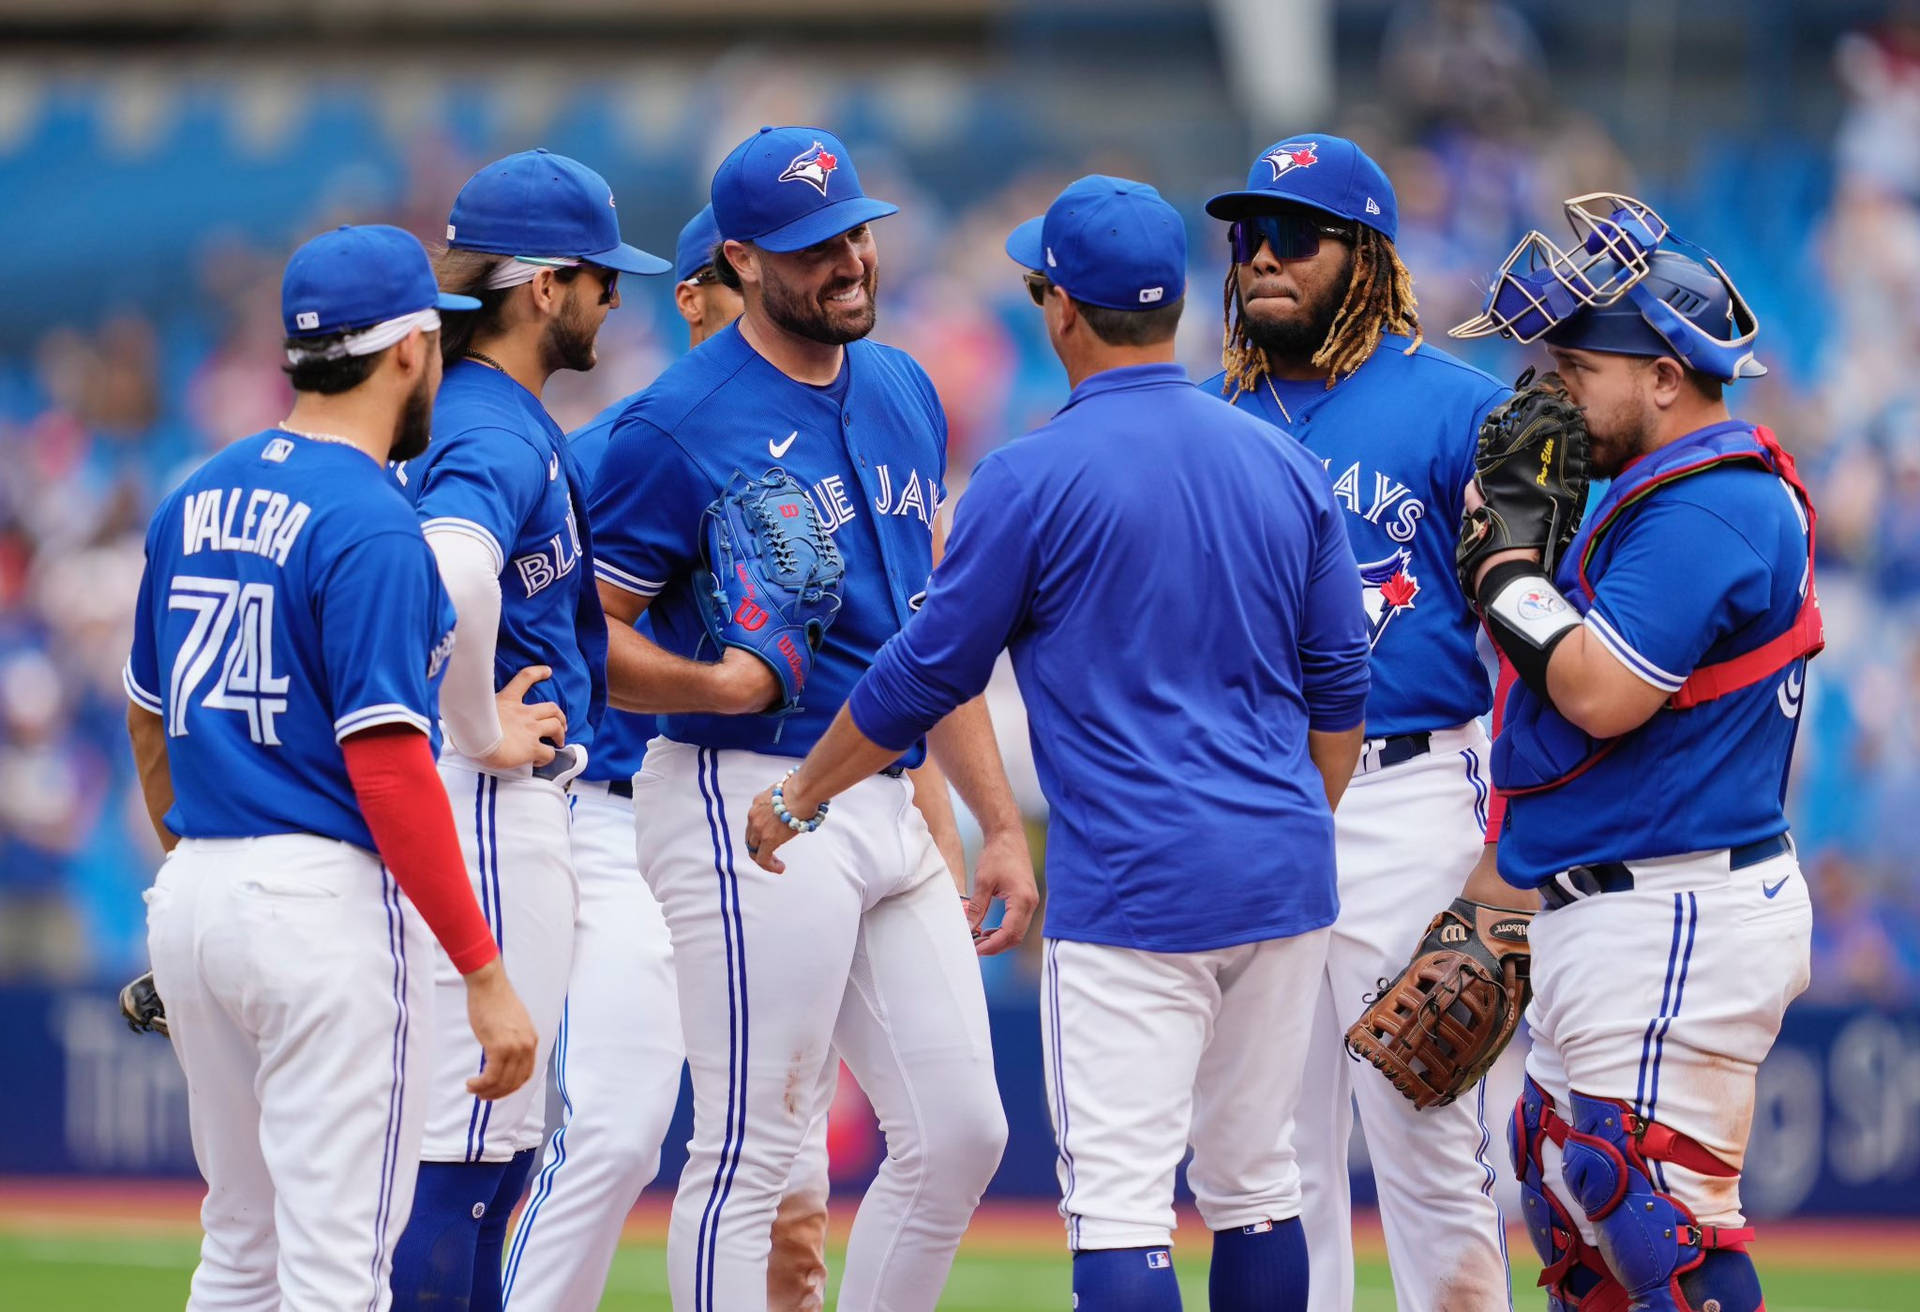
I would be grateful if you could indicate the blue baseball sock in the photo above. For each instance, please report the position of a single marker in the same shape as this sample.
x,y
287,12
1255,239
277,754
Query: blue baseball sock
x,y
433,1263
1125,1280
1259,1268
492,1240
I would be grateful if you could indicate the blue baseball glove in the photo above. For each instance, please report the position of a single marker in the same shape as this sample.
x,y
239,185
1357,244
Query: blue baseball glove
x,y
774,576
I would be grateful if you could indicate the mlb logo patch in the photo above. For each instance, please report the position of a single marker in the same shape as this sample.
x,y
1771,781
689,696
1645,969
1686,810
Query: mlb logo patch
x,y
1148,295
307,319
1159,1260
277,451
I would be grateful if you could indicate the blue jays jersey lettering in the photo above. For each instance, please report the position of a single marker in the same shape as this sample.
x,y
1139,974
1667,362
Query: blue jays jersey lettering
x,y
288,601
1699,571
499,470
873,462
1397,439
620,739
1171,750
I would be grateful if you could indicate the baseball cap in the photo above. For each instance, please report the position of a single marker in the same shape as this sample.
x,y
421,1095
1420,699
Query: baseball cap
x,y
694,251
542,204
356,278
1319,171
1109,242
784,189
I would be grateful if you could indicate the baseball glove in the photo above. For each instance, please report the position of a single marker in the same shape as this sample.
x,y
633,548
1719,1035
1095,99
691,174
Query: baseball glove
x,y
1531,469
774,577
140,1004
1437,1029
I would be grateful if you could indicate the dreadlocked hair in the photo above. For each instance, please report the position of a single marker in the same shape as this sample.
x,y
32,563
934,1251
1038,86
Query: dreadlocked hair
x,y
1379,300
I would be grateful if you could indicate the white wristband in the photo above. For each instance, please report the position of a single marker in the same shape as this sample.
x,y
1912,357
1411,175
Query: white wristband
x,y
1533,609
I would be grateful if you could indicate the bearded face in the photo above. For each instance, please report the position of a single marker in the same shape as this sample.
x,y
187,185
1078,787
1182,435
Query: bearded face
x,y
826,292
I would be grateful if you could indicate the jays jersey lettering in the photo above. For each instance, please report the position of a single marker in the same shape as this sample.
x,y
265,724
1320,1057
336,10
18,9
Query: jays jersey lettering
x,y
498,469
873,460
1173,747
1397,439
1707,567
289,601
620,739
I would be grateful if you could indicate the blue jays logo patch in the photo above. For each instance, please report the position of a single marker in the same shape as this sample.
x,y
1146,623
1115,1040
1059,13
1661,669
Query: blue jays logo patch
x,y
813,166
1293,155
1387,588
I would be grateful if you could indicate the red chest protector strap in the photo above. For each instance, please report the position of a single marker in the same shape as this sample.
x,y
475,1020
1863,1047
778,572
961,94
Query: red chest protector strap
x,y
1806,636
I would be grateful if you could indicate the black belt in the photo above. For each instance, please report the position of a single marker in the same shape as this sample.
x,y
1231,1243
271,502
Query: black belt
x,y
1403,747
1615,877
563,760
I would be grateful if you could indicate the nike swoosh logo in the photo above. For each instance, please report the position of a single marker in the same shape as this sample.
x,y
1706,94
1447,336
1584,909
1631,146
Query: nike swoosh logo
x,y
553,469
779,449
1771,889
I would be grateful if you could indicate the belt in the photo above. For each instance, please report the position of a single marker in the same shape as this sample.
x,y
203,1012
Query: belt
x,y
567,762
1403,747
624,787
1615,876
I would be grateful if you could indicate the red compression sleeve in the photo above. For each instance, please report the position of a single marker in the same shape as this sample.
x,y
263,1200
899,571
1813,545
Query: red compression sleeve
x,y
406,808
1497,803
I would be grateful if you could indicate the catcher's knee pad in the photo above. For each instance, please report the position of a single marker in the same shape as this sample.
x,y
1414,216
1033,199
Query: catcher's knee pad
x,y
1649,1238
1573,1273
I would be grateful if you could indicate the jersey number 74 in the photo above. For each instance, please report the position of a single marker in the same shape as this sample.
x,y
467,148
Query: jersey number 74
x,y
247,683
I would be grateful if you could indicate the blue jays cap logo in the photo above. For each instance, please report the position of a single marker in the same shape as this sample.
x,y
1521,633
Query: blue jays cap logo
x,y
1293,155
813,166
1388,587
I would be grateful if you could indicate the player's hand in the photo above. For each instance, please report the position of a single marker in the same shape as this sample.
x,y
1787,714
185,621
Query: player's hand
x,y
765,832
505,1031
1004,871
522,727
743,685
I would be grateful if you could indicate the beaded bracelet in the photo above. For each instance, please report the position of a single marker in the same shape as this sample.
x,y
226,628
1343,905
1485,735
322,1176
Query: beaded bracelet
x,y
785,816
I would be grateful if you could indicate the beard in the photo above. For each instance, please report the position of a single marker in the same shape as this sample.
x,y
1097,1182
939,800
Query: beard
x,y
414,428
1296,335
570,337
1618,439
812,318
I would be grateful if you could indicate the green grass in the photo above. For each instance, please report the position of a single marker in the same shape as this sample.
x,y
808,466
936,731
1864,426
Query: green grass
x,y
68,1273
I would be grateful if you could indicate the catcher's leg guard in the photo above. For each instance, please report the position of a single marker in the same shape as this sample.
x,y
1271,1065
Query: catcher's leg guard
x,y
1574,1274
1649,1238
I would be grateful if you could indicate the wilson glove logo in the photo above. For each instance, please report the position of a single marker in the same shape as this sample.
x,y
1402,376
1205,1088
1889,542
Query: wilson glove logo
x,y
1453,933
749,614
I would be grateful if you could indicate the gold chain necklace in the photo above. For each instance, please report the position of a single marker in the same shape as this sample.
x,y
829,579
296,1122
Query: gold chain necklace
x,y
316,437
1268,380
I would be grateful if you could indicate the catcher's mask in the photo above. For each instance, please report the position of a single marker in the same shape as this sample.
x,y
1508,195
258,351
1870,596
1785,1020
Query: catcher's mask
x,y
1629,286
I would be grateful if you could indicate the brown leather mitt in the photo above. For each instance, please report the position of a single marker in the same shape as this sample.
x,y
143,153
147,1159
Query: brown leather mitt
x,y
1439,1027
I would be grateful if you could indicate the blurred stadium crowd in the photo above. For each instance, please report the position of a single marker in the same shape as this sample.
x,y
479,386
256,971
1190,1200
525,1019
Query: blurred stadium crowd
x,y
121,370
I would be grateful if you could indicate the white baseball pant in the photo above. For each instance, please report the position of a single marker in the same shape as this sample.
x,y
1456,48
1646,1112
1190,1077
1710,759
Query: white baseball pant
x,y
1407,837
295,978
514,837
1668,996
616,1062
1147,1052
859,947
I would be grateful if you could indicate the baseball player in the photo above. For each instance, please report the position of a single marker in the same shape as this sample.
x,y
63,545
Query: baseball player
x,y
868,954
618,1054
1661,663
290,634
1322,340
534,239
1207,760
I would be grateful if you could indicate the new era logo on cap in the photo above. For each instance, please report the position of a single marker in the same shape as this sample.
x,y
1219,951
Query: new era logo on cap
x,y
1372,206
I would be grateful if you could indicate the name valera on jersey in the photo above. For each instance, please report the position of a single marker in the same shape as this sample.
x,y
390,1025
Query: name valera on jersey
x,y
916,495
267,525
1385,503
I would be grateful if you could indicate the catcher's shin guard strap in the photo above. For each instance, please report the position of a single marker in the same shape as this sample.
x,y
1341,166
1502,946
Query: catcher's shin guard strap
x,y
1649,1238
1527,617
1573,1273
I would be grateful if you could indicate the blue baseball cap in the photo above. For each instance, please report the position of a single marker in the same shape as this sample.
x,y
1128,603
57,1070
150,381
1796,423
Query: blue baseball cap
x,y
694,251
543,204
1109,242
354,278
1322,172
784,189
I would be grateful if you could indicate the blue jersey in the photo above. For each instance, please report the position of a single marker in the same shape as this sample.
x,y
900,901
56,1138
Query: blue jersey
x,y
498,469
620,739
1699,570
1176,587
1397,438
288,601
872,454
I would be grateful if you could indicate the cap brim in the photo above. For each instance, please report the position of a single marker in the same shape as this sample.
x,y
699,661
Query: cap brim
x,y
829,221
1231,205
452,301
1024,246
630,259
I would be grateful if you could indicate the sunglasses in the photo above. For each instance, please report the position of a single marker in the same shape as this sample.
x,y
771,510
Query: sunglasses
x,y
1037,285
609,281
703,275
1292,236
